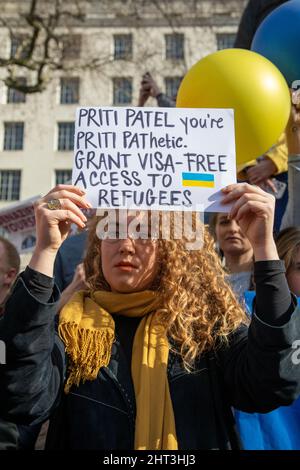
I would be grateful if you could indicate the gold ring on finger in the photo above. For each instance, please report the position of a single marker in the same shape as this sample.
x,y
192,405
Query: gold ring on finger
x,y
54,204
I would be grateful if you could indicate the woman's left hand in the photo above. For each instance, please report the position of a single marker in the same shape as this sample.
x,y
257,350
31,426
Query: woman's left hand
x,y
253,209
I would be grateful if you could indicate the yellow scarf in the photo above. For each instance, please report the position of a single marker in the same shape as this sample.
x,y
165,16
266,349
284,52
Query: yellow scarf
x,y
88,330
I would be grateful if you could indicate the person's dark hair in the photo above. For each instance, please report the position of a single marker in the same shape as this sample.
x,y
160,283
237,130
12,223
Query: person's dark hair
x,y
11,254
254,14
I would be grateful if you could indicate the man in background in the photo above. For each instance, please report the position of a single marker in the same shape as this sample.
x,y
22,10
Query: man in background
x,y
9,268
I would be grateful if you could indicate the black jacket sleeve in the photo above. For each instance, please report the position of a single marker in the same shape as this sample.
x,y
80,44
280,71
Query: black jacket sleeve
x,y
259,366
31,380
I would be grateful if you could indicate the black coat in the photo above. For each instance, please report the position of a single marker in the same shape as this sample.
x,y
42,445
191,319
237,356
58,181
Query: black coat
x,y
254,373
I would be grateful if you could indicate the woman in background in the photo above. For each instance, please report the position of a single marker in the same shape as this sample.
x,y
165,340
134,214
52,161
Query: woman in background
x,y
236,253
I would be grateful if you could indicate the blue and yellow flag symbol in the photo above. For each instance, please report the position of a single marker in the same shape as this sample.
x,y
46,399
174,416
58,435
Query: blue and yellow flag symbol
x,y
203,180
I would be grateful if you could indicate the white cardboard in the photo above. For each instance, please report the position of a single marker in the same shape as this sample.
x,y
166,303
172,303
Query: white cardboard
x,y
139,158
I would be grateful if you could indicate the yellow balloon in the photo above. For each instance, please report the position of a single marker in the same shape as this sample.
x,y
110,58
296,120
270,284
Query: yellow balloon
x,y
251,85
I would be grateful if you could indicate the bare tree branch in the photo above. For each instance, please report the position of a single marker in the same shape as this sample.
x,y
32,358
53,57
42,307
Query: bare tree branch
x,y
35,53
41,49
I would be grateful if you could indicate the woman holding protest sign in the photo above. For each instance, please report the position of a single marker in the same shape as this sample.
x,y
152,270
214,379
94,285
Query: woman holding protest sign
x,y
157,325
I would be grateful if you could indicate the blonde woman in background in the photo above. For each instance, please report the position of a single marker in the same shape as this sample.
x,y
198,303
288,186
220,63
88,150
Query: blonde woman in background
x,y
288,246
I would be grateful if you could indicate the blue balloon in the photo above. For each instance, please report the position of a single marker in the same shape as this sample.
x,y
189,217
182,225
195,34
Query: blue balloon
x,y
278,39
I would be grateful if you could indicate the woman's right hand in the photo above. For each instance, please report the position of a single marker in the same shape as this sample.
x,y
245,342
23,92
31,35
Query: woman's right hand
x,y
53,226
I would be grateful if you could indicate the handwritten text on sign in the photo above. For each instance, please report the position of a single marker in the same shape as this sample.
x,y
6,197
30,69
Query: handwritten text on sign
x,y
154,158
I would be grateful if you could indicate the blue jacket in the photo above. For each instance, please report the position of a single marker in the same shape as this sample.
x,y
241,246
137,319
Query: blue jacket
x,y
70,254
278,430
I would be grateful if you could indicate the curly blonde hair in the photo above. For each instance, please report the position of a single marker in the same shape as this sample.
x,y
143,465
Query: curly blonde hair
x,y
198,308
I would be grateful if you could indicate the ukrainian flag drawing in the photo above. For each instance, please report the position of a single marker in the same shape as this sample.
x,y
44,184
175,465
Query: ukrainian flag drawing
x,y
203,180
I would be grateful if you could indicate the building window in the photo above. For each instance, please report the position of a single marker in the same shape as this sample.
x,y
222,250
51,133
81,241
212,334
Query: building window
x,y
122,91
15,45
174,46
10,182
69,90
66,131
71,46
13,135
225,40
123,46
172,85
19,47
63,176
16,96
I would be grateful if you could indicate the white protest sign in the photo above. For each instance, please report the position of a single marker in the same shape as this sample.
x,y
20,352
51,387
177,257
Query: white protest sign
x,y
154,158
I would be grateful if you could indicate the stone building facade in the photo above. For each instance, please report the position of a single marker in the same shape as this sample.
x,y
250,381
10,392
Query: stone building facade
x,y
107,53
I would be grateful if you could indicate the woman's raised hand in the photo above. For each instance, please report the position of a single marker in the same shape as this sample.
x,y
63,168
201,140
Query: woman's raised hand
x,y
253,209
54,215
